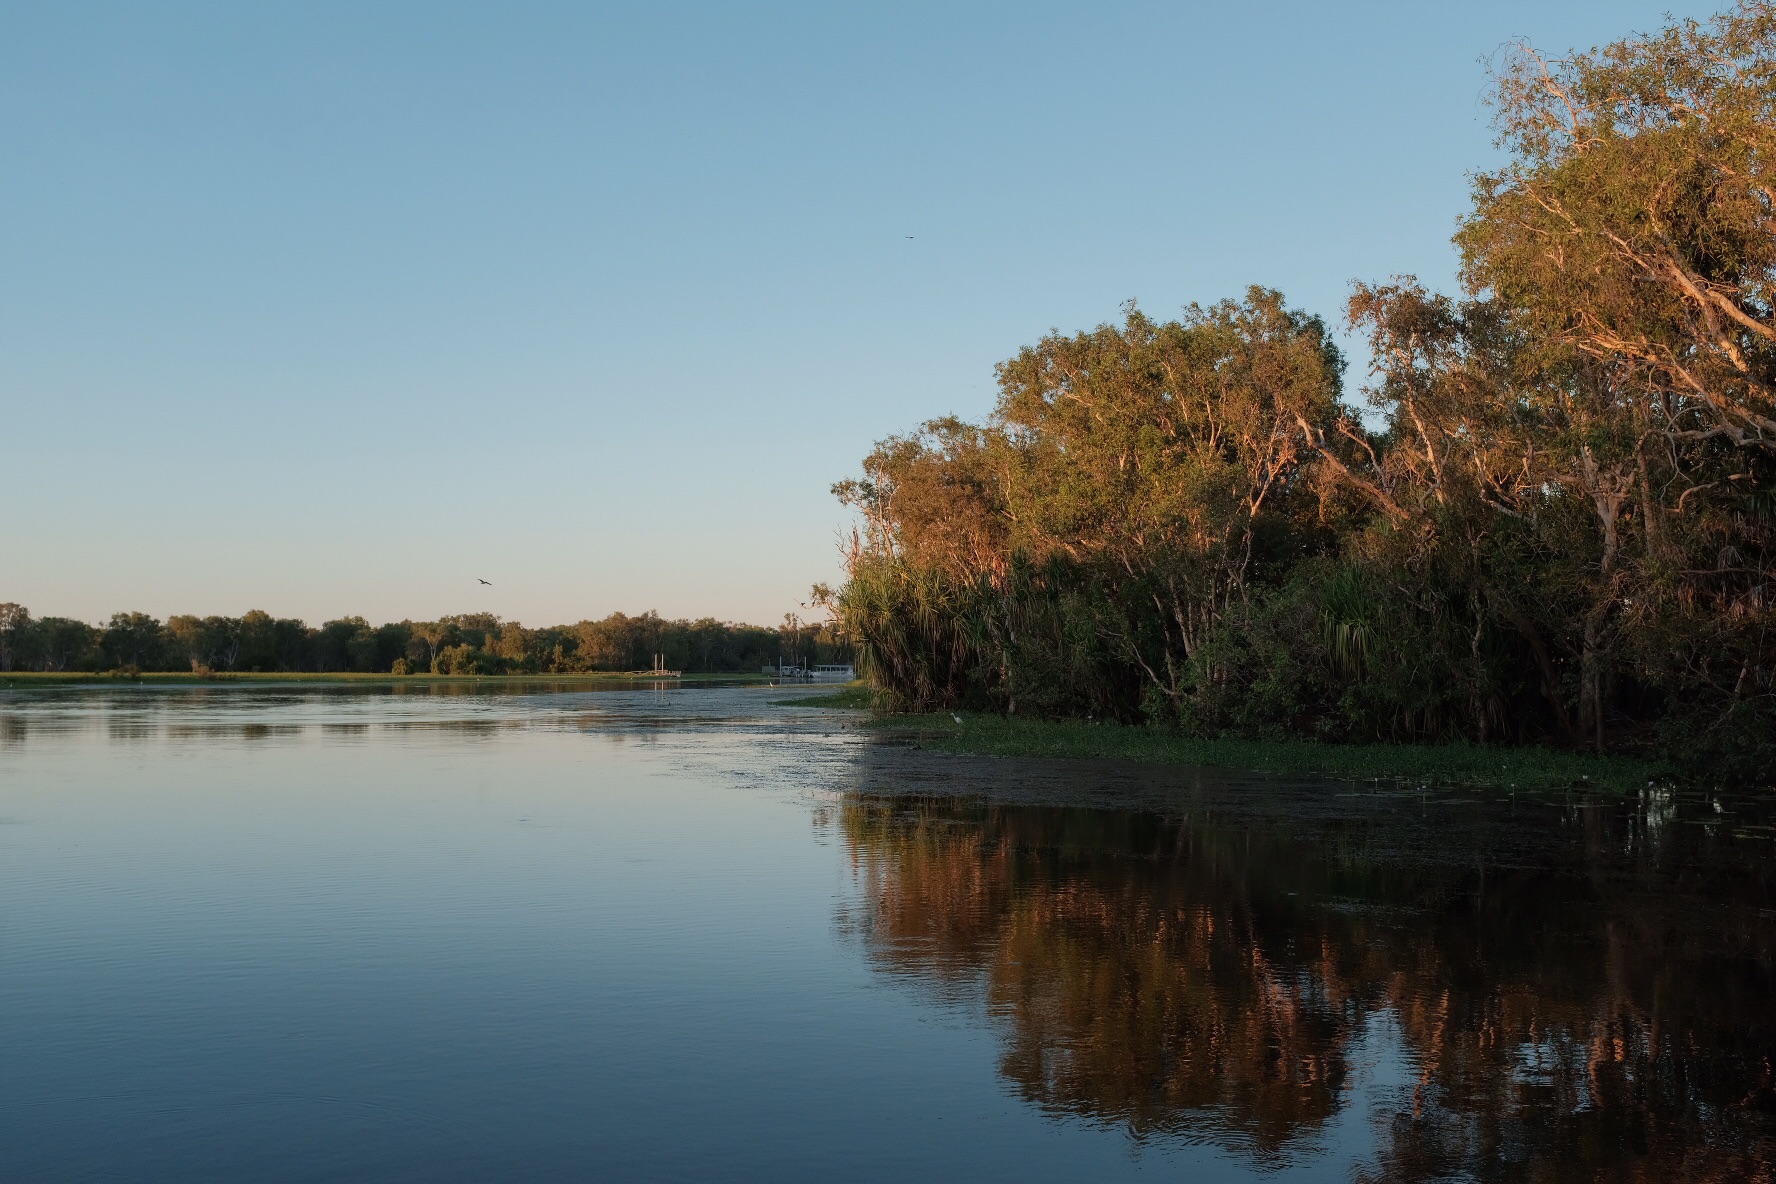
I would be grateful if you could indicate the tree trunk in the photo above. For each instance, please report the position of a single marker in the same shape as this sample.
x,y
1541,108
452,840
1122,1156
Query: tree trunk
x,y
1591,683
1545,666
1607,497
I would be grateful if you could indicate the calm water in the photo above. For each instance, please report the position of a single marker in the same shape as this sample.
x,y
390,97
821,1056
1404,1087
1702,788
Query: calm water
x,y
688,935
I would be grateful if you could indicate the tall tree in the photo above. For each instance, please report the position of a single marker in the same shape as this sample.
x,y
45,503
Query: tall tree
x,y
1636,219
15,622
133,639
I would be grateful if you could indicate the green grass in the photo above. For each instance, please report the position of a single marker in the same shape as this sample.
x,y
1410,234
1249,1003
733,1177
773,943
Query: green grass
x,y
75,678
1459,764
853,696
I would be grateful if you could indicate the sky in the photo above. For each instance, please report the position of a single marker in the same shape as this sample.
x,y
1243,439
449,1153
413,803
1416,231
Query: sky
x,y
331,309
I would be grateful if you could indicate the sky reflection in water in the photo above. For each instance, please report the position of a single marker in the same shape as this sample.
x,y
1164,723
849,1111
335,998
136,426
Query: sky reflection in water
x,y
306,934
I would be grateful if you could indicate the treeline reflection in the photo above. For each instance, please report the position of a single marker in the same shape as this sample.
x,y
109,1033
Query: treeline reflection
x,y
1612,1019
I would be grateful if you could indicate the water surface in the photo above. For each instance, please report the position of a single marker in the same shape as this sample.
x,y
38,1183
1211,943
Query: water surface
x,y
387,934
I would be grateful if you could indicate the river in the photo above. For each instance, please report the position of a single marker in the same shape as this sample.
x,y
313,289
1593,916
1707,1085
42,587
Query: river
x,y
300,933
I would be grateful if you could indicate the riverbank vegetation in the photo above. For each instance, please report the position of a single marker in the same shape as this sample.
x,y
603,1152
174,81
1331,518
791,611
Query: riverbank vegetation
x,y
477,644
850,697
1525,768
1554,526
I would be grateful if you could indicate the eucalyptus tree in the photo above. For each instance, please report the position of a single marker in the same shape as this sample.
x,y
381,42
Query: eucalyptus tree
x,y
1153,453
427,637
61,643
1635,219
15,624
133,639
1107,514
207,643
1629,244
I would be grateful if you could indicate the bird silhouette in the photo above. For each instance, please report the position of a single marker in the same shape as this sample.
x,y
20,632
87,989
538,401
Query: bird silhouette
x,y
909,236
479,580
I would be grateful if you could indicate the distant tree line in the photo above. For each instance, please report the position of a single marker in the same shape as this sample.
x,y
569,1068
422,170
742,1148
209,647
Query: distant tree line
x,y
1559,526
469,643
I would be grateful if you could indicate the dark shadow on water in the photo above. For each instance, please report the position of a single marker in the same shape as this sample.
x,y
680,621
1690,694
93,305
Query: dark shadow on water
x,y
1567,996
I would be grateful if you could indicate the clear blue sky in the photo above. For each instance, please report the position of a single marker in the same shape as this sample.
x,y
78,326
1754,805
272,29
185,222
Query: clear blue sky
x,y
333,308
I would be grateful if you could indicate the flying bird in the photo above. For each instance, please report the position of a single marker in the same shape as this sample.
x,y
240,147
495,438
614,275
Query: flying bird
x,y
479,580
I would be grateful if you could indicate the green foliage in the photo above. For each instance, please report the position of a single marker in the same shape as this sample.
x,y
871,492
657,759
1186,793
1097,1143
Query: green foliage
x,y
15,624
847,698
477,644
208,643
1258,672
1562,535
462,659
1347,619
134,641
914,632
1072,555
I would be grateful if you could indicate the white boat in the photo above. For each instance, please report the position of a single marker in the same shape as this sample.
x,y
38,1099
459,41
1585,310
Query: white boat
x,y
844,673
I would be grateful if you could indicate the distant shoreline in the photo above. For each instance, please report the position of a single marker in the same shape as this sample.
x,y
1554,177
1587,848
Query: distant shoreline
x,y
29,678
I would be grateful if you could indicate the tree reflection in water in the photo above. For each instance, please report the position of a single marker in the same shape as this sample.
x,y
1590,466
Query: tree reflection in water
x,y
1608,1018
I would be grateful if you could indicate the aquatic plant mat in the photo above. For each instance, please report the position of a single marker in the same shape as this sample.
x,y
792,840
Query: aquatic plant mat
x,y
1462,764
851,697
